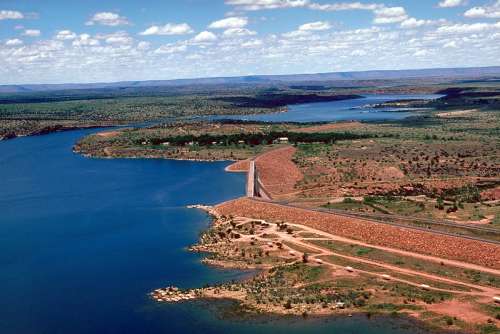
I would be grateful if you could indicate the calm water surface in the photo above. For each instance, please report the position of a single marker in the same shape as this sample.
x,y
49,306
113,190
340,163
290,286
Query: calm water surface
x,y
82,242
355,109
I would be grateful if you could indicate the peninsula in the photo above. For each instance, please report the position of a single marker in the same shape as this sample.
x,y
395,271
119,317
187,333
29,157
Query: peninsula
x,y
396,217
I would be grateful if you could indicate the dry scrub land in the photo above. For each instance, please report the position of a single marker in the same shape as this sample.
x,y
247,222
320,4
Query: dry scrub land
x,y
198,140
307,268
32,113
146,143
394,217
315,263
431,167
448,168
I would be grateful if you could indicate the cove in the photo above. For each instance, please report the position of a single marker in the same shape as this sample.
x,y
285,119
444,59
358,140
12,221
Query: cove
x,y
83,241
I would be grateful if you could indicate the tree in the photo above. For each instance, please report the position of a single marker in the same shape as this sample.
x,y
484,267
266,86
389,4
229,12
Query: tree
x,y
305,258
440,203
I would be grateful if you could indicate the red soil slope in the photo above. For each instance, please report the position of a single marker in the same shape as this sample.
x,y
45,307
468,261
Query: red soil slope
x,y
448,247
277,171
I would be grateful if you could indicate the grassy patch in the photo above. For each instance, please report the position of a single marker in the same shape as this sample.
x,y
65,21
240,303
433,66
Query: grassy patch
x,y
467,276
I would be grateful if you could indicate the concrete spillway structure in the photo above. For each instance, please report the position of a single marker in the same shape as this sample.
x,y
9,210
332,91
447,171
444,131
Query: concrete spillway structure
x,y
251,180
255,188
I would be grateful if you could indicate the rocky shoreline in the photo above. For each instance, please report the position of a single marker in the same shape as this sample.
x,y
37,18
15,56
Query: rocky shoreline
x,y
50,129
291,280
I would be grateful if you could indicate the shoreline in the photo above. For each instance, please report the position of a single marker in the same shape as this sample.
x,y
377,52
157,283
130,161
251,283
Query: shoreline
x,y
56,129
221,256
90,156
230,244
235,250
239,291
232,311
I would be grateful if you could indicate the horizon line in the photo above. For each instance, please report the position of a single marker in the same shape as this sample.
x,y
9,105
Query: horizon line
x,y
253,75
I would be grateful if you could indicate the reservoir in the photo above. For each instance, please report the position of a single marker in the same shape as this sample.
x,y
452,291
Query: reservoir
x,y
345,110
83,241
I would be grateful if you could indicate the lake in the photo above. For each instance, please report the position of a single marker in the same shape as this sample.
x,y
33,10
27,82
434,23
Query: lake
x,y
345,110
83,241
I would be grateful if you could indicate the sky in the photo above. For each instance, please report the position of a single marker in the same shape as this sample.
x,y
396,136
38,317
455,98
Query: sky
x,y
55,41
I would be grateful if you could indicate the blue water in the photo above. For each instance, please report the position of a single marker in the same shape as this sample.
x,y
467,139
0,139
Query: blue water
x,y
345,110
82,242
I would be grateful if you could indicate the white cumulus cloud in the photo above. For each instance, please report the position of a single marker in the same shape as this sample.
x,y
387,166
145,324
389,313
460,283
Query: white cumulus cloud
x,y
204,37
279,4
252,43
14,42
230,22
107,19
32,32
421,53
468,28
388,15
412,23
406,41
168,29
315,26
239,32
143,45
451,3
306,30
65,35
452,45
117,38
10,15
491,12
358,53
345,6
85,40
171,48
266,4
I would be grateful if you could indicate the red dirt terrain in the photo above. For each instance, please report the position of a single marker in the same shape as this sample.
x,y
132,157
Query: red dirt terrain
x,y
239,166
448,247
460,309
277,172
491,194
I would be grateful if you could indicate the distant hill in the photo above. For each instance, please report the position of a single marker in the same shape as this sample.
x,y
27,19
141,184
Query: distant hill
x,y
452,73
